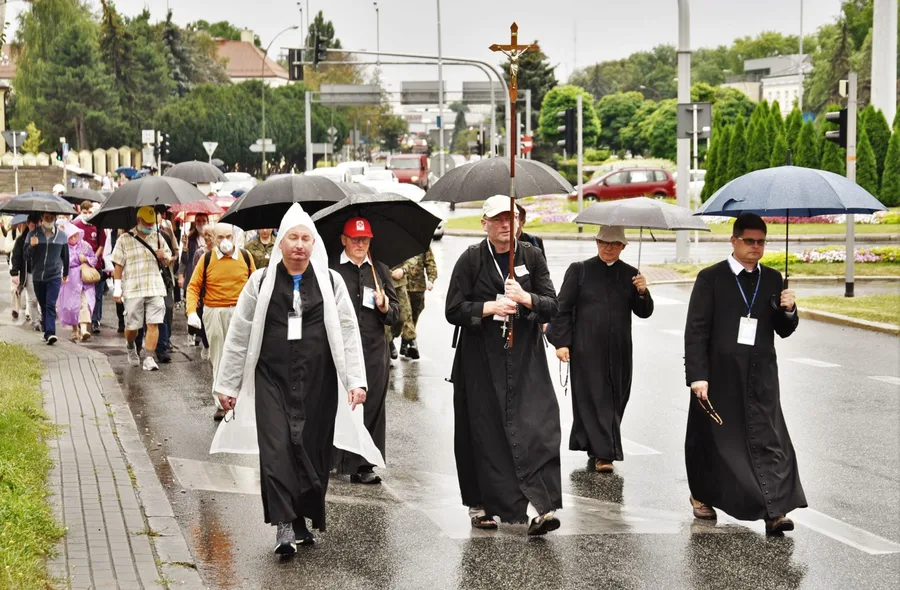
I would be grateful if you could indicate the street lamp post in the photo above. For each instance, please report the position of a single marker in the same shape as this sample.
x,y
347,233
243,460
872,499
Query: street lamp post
x,y
377,32
440,116
265,168
682,242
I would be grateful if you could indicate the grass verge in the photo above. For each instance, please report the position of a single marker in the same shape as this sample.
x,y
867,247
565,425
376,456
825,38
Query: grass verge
x,y
797,229
27,529
876,308
803,269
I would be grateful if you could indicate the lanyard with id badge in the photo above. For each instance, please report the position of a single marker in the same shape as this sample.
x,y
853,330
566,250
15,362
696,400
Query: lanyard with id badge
x,y
295,318
747,326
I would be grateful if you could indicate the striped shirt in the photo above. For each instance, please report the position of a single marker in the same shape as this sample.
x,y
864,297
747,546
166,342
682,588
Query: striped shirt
x,y
140,269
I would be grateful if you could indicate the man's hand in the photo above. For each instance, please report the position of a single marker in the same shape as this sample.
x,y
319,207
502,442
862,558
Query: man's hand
x,y
563,354
161,254
227,401
382,302
194,321
356,397
788,300
515,292
429,286
640,283
34,241
397,274
503,307
15,281
65,280
701,389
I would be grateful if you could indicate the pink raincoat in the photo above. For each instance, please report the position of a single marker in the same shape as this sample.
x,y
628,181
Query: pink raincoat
x,y
68,305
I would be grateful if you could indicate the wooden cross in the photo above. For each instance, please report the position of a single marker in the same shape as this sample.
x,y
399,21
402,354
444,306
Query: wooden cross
x,y
513,51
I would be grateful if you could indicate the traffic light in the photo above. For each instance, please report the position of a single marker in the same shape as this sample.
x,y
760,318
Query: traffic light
x,y
295,69
320,51
839,136
567,130
163,144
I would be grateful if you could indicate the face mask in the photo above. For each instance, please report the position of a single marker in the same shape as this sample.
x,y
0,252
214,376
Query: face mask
x,y
225,246
48,225
145,230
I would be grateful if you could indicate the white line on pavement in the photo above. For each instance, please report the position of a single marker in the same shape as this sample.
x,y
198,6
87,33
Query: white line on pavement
x,y
629,447
845,533
814,363
886,378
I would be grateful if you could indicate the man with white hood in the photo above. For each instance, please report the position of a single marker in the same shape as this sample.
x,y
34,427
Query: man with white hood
x,y
295,336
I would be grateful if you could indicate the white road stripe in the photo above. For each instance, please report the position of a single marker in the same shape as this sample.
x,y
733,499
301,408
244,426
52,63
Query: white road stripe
x,y
814,363
886,379
845,533
629,447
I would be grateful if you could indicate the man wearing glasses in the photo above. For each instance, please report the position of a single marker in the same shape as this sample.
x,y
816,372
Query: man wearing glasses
x,y
593,330
738,451
377,305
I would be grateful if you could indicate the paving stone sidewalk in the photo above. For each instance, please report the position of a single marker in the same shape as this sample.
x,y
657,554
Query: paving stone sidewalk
x,y
120,528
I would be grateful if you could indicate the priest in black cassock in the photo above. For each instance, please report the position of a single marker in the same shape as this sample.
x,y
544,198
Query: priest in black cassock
x,y
293,357
507,432
738,451
377,306
593,330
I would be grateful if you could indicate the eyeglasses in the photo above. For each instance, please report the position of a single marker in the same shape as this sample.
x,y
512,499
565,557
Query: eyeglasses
x,y
752,242
711,411
603,244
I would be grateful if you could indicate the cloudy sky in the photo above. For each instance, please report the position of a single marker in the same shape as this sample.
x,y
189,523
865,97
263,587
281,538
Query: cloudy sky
x,y
573,33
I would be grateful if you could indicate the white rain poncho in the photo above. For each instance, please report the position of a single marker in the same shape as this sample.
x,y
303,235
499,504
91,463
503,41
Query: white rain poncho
x,y
244,341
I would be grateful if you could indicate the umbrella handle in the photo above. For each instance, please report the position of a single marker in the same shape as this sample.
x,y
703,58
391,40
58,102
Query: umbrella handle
x,y
374,274
640,244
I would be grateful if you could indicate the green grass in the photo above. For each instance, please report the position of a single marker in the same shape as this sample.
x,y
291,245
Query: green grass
x,y
802,269
474,223
27,529
875,308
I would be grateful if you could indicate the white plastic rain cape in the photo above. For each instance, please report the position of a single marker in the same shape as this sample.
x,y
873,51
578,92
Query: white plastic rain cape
x,y
244,341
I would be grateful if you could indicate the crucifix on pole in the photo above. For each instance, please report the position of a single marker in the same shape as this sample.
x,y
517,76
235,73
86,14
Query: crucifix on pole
x,y
513,51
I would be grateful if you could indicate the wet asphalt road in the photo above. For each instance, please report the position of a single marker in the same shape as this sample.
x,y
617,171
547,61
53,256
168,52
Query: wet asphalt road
x,y
632,529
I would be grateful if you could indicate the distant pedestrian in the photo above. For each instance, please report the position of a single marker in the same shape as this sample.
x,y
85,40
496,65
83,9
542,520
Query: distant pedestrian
x,y
535,241
213,294
96,239
261,247
47,251
21,276
421,273
191,241
738,452
76,298
593,331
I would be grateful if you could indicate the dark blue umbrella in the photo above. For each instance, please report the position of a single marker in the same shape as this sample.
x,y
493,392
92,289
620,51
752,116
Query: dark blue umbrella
x,y
139,174
790,190
127,171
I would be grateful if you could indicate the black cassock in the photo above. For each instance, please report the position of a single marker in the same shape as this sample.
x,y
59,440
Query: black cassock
x,y
746,466
375,352
507,432
296,402
594,322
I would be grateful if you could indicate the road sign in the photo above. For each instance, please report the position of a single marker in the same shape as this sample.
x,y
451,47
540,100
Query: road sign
x,y
147,157
527,144
148,136
322,148
65,151
257,147
480,92
686,120
420,92
15,139
267,141
210,147
332,132
350,94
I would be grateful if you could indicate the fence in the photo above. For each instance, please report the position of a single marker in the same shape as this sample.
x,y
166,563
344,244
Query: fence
x,y
98,161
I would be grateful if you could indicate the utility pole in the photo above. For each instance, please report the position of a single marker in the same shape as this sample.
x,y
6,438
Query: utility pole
x,y
377,33
851,176
884,58
800,95
440,117
579,131
528,116
682,239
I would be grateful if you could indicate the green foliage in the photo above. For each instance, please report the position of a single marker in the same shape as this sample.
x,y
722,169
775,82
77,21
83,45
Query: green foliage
x,y
325,30
729,104
779,152
222,30
711,163
615,112
724,152
459,123
659,130
393,127
560,99
805,150
595,156
32,143
890,182
630,135
792,128
866,168
833,157
896,123
876,127
759,154
654,69
776,259
462,139
737,152
537,74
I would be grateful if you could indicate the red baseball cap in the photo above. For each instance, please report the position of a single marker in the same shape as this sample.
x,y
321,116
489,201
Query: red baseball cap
x,y
358,227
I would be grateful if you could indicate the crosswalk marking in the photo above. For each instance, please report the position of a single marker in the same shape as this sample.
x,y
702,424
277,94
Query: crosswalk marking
x,y
886,379
814,363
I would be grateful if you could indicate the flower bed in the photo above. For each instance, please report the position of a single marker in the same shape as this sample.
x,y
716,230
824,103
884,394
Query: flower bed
x,y
889,254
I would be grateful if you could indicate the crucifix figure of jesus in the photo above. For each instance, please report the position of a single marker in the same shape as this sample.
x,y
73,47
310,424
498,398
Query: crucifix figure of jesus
x,y
513,52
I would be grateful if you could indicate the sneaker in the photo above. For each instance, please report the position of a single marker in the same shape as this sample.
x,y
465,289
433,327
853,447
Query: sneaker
x,y
51,340
150,364
285,542
95,329
134,359
302,534
204,354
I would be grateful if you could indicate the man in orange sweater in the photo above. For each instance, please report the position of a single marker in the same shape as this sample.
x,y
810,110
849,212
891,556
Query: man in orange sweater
x,y
216,284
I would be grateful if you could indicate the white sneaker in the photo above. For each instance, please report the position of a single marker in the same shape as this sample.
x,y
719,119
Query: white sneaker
x,y
134,358
150,364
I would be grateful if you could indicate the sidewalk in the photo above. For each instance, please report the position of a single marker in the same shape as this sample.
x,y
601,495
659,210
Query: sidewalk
x,y
120,528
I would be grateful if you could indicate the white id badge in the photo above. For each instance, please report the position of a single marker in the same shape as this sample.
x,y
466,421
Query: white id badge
x,y
747,331
498,318
368,297
521,271
295,326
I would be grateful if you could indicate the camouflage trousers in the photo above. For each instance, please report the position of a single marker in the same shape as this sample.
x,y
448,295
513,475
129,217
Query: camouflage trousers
x,y
404,327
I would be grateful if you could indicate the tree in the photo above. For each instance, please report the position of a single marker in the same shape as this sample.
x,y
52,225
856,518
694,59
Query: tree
x,y
153,87
779,152
649,72
711,161
32,143
659,130
879,133
222,30
535,74
866,169
759,155
630,135
896,124
729,104
737,151
832,156
792,128
391,131
724,152
805,150
461,142
890,182
560,99
459,124
191,57
776,123
615,112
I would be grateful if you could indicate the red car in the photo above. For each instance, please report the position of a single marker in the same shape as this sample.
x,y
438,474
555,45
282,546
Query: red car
x,y
410,168
629,182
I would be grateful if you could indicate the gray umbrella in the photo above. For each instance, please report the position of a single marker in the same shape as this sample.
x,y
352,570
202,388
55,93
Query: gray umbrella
x,y
37,202
481,180
196,172
266,203
355,188
640,213
153,191
77,196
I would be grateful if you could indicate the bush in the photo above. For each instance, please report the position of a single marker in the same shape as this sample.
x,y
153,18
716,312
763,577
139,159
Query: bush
x,y
595,156
776,259
888,254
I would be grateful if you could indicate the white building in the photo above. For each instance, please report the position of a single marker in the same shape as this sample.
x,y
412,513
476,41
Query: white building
x,y
773,78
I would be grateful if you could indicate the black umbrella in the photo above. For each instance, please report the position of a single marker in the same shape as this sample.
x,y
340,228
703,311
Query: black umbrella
x,y
196,172
37,202
77,196
153,191
481,180
122,217
266,203
402,228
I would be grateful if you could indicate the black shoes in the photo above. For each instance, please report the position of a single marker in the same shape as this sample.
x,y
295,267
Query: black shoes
x,y
404,347
409,349
365,477
393,351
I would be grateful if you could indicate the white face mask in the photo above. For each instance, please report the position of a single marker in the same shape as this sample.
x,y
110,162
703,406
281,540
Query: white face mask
x,y
226,246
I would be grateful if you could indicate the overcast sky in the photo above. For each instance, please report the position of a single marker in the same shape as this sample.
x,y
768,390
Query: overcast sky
x,y
571,32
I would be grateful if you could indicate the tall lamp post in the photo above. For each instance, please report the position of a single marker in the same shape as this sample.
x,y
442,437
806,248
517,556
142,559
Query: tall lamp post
x,y
377,32
265,168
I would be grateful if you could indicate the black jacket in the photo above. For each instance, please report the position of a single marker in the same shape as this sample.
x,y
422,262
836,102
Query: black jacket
x,y
18,263
48,260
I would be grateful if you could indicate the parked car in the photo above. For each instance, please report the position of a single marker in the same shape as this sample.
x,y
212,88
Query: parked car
x,y
410,168
627,183
379,176
335,174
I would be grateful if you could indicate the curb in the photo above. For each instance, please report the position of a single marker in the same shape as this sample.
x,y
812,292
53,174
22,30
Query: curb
x,y
842,320
589,236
